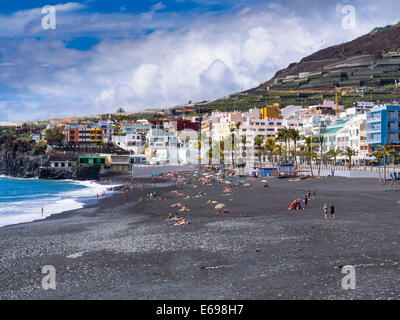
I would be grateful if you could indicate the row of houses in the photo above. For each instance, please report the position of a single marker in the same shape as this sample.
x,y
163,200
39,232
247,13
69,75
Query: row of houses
x,y
106,162
189,140
362,127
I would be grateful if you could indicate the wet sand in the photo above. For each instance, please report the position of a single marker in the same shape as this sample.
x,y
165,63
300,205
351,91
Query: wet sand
x,y
120,249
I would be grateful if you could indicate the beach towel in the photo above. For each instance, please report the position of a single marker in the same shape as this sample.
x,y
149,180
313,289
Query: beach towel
x,y
293,205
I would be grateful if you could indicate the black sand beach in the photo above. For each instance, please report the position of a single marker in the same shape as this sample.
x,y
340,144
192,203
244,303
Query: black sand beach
x,y
121,249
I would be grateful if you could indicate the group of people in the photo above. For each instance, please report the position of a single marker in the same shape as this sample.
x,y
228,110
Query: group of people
x,y
296,204
308,196
332,211
325,208
151,196
180,221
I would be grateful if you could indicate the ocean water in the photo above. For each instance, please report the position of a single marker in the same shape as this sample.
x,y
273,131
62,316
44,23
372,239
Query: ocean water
x,y
21,200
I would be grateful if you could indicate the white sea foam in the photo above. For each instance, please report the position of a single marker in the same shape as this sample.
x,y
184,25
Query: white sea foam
x,y
16,212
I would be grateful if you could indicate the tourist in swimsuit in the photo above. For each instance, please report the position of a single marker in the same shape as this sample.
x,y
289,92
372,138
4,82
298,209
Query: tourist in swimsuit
x,y
325,208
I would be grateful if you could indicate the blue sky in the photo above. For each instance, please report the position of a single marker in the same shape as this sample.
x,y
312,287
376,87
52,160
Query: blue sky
x,y
144,54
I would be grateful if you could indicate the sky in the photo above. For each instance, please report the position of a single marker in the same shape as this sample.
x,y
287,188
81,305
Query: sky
x,y
101,55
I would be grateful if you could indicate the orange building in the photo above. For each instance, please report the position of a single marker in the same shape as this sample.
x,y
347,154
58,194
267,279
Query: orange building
x,y
72,135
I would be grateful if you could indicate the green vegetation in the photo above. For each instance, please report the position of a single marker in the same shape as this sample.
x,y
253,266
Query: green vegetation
x,y
54,136
242,102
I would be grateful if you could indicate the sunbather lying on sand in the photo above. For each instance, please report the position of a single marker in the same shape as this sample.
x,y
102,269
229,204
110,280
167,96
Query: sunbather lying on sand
x,y
176,205
181,223
212,201
222,211
184,208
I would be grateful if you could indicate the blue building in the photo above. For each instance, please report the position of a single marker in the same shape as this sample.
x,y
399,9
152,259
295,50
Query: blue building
x,y
383,126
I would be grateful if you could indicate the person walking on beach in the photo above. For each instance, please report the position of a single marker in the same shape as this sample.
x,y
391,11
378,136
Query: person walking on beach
x,y
42,211
333,216
314,192
325,209
305,202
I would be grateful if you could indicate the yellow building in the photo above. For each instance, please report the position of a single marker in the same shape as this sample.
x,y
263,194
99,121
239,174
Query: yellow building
x,y
271,111
96,135
120,162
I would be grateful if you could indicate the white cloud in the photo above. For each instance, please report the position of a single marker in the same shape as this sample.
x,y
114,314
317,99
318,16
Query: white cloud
x,y
158,6
209,57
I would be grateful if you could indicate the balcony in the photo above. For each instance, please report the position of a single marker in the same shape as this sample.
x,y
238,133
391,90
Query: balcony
x,y
372,128
373,117
373,138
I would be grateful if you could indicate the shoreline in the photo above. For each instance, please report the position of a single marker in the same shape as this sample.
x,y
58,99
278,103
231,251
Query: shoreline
x,y
93,203
79,201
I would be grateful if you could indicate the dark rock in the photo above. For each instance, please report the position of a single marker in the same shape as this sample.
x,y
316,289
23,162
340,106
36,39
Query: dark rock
x,y
86,173
77,173
55,173
23,159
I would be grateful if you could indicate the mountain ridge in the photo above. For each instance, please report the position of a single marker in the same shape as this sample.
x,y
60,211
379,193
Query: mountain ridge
x,y
373,43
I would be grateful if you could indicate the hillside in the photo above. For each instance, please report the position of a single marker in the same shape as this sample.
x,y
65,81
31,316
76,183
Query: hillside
x,y
367,68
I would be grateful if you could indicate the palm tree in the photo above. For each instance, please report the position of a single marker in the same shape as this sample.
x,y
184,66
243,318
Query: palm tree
x,y
233,129
308,141
302,153
244,140
210,150
279,150
283,135
320,140
258,141
199,148
387,150
264,154
222,150
272,149
295,136
379,156
349,153
334,154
